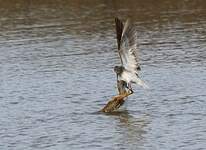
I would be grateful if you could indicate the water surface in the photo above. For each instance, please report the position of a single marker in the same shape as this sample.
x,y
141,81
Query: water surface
x,y
56,72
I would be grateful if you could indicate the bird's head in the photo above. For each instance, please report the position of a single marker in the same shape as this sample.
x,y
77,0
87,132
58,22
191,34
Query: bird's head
x,y
118,69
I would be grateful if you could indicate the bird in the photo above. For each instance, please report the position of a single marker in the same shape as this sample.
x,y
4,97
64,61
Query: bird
x,y
128,52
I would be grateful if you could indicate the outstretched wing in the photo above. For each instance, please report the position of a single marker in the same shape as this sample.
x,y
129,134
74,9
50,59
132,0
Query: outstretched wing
x,y
127,45
128,48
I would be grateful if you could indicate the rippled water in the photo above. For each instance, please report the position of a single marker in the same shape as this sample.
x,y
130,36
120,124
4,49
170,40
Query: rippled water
x,y
56,72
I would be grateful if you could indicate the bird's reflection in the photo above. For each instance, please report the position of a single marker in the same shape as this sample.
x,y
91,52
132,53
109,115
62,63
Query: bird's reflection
x,y
131,130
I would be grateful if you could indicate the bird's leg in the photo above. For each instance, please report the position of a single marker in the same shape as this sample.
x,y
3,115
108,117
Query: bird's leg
x,y
130,87
117,77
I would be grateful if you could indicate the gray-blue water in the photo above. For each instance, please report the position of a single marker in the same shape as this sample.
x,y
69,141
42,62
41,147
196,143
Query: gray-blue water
x,y
56,72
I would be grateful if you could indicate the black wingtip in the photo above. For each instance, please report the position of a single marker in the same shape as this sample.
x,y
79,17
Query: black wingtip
x,y
117,19
119,30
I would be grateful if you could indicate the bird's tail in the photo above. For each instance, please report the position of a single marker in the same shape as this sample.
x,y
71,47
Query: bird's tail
x,y
142,83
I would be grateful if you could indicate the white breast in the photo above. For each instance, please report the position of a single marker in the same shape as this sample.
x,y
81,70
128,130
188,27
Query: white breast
x,y
128,76
132,77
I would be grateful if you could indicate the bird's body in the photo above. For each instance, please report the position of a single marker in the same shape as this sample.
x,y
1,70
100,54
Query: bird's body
x,y
127,49
129,77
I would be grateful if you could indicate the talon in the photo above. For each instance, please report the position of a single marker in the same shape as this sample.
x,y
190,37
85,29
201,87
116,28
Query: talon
x,y
131,91
130,88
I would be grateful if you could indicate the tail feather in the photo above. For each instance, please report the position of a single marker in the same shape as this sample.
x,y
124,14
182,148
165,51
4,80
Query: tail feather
x,y
142,83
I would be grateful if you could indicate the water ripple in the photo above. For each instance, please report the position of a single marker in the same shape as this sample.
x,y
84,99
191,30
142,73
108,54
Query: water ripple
x,y
56,62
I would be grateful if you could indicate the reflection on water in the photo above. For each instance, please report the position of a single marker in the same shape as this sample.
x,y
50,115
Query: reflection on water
x,y
56,60
131,130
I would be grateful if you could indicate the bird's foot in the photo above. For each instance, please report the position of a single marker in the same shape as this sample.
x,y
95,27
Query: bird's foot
x,y
130,88
131,91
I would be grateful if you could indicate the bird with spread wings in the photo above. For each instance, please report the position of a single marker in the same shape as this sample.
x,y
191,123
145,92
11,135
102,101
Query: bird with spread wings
x,y
128,52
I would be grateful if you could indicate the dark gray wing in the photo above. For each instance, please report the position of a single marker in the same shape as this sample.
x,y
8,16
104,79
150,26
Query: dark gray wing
x,y
119,30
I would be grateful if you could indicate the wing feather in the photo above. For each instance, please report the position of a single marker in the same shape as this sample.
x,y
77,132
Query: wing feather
x,y
119,30
128,48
